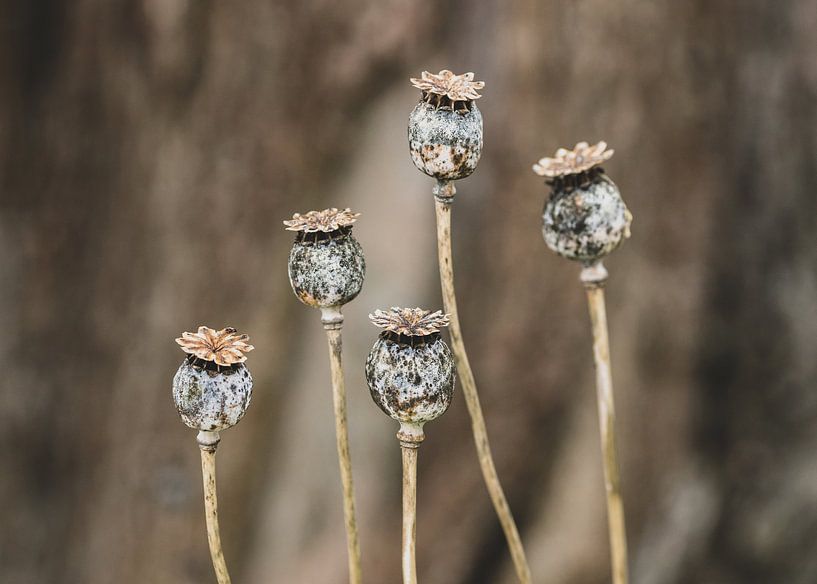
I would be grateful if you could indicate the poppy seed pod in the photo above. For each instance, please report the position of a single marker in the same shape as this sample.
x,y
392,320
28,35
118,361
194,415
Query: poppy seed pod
x,y
585,217
410,369
445,129
212,388
326,264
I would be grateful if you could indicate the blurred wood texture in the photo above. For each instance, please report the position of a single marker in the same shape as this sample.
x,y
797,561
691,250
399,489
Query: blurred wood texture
x,y
148,153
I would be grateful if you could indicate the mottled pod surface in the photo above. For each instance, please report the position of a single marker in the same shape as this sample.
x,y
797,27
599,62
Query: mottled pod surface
x,y
327,272
209,399
445,144
587,222
411,381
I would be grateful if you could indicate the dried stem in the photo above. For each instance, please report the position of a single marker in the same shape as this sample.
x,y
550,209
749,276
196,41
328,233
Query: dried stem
x,y
409,512
444,196
333,322
208,442
594,278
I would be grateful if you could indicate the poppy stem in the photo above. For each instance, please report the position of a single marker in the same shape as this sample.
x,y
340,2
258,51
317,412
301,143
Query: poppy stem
x,y
332,320
410,437
444,197
208,443
594,277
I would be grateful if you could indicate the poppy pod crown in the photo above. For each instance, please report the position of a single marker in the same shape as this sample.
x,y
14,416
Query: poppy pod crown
x,y
325,221
320,225
224,347
577,167
448,91
410,326
582,157
413,322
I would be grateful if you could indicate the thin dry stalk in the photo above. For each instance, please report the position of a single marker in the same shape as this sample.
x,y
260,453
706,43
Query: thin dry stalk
x,y
594,278
208,472
469,387
333,325
409,512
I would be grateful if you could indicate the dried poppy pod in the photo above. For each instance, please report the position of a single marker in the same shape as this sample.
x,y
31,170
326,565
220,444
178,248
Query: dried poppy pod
x,y
410,370
212,388
585,217
326,264
445,129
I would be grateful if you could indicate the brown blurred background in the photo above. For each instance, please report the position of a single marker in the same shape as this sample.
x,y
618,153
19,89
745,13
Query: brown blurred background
x,y
148,153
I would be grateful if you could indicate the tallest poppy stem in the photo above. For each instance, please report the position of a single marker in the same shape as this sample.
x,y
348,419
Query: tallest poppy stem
x,y
444,197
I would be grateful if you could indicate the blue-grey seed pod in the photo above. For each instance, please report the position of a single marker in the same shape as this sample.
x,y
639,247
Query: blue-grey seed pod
x,y
585,217
444,144
586,223
211,400
445,128
212,388
326,264
410,370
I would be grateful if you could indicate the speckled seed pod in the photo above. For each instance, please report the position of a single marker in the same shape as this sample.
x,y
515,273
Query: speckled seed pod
x,y
585,217
445,129
326,263
212,388
410,369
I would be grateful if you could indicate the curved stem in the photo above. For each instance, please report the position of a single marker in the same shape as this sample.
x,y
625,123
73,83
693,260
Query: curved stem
x,y
594,278
409,512
332,323
208,473
469,387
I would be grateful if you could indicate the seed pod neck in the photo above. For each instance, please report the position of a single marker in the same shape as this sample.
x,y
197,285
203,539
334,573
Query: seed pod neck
x,y
444,191
318,237
594,275
332,318
570,182
208,441
411,434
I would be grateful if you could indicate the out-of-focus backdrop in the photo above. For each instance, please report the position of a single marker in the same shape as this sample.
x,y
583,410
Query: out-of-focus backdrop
x,y
148,153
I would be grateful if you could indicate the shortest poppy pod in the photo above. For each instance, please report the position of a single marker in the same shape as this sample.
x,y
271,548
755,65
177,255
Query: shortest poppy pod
x,y
212,388
585,217
326,264
410,370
